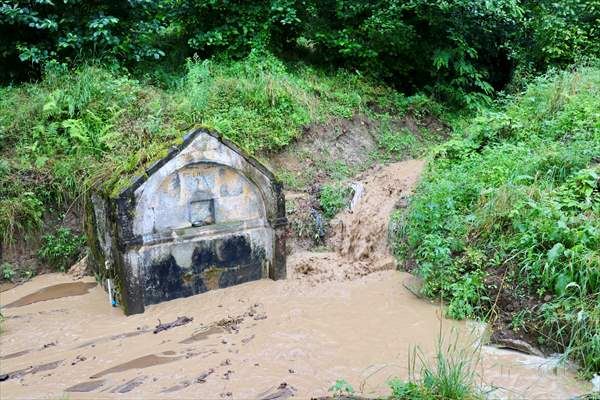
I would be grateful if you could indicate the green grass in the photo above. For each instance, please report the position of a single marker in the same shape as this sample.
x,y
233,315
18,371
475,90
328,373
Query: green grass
x,y
334,197
518,195
450,376
78,128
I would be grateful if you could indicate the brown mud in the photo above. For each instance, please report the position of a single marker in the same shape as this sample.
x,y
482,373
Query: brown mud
x,y
342,314
53,292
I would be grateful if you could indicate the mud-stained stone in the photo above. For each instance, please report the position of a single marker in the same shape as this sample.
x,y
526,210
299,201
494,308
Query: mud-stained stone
x,y
130,385
282,392
206,216
177,387
516,345
84,387
34,369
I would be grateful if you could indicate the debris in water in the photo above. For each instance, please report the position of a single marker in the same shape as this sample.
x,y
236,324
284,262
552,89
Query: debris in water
x,y
80,269
247,339
282,392
78,359
204,375
178,322
517,345
177,387
227,374
129,386
230,324
34,369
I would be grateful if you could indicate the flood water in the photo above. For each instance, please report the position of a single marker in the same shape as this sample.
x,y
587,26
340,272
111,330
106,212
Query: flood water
x,y
360,330
53,292
336,317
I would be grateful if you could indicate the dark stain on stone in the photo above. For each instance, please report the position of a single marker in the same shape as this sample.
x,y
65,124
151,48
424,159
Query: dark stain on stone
x,y
53,292
216,263
165,281
86,386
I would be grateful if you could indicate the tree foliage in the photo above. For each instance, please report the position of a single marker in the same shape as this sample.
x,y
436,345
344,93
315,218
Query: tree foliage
x,y
457,50
36,31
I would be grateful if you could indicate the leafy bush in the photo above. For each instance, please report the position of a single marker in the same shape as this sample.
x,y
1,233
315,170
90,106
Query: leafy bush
x,y
520,191
61,249
8,272
341,388
333,198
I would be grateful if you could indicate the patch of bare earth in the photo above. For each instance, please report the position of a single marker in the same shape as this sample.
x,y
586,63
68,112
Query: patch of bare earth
x,y
347,141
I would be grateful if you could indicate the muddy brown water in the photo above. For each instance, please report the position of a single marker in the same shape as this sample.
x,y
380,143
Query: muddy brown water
x,y
53,292
345,314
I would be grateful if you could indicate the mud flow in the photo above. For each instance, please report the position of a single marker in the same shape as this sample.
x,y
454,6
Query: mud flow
x,y
342,314
53,292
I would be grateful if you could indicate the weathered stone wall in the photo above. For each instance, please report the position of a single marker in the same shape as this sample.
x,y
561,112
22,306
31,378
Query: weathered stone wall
x,y
205,217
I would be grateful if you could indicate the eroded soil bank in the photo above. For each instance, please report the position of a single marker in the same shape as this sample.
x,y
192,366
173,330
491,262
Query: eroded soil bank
x,y
345,313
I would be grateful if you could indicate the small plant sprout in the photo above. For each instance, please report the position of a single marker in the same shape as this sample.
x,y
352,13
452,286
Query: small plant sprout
x,y
341,388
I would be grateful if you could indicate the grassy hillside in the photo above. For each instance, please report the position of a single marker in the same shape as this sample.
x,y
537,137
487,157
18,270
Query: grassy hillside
x,y
506,223
76,128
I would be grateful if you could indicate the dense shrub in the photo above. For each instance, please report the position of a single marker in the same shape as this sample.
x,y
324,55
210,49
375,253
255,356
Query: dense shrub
x,y
455,49
460,50
234,27
561,32
520,191
333,198
61,248
36,31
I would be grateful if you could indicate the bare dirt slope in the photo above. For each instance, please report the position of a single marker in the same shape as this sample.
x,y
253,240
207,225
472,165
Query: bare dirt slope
x,y
342,314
